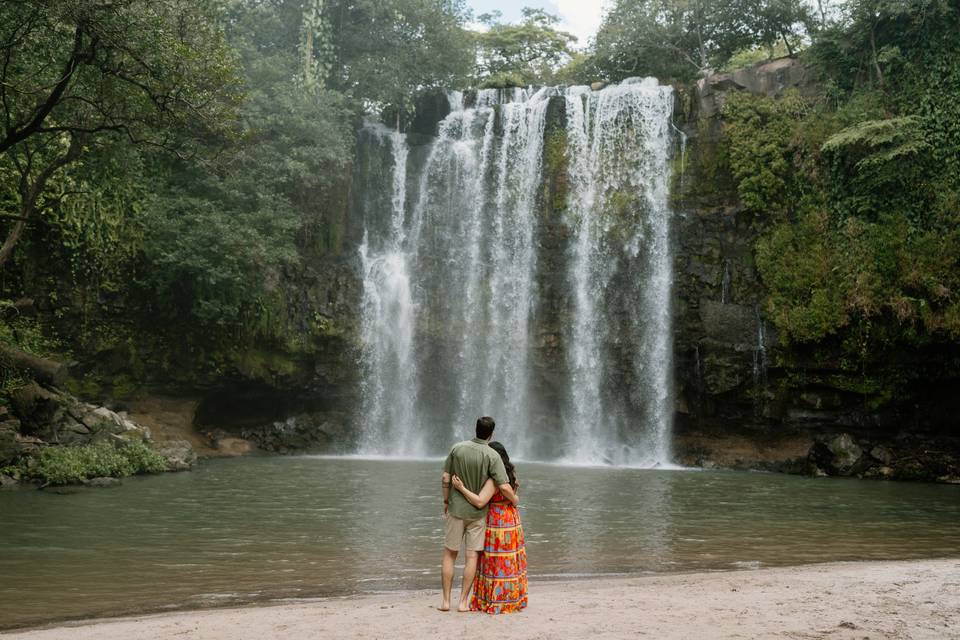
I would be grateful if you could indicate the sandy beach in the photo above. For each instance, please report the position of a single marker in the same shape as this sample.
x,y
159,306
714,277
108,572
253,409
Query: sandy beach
x,y
912,599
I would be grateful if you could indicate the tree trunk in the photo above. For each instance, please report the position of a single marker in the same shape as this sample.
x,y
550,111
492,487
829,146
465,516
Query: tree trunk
x,y
12,238
30,194
43,370
873,52
786,41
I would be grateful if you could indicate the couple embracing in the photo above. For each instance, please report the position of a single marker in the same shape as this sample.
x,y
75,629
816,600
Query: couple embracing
x,y
480,501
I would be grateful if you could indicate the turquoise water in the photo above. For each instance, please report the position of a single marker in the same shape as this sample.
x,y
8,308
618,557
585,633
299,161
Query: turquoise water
x,y
261,529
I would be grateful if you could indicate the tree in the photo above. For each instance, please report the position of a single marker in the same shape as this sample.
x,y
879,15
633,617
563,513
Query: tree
x,y
684,39
220,240
76,73
386,51
526,53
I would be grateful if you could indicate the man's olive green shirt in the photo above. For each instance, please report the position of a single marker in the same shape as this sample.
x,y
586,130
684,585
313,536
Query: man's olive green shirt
x,y
473,462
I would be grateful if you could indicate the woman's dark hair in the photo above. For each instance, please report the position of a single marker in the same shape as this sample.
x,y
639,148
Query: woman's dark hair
x,y
511,471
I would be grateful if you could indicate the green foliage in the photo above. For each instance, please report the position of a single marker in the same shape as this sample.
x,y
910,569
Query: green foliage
x,y
756,55
71,465
142,69
521,54
683,40
25,334
95,231
880,165
386,51
761,134
856,196
217,244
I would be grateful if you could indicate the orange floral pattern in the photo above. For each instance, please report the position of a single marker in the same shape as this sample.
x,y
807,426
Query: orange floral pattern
x,y
501,582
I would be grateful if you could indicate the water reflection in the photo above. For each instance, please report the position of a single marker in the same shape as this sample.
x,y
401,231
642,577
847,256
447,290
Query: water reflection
x,y
263,528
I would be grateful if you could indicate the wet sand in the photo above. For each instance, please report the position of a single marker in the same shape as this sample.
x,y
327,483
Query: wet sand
x,y
876,600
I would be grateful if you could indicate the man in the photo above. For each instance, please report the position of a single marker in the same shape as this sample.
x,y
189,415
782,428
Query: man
x,y
473,462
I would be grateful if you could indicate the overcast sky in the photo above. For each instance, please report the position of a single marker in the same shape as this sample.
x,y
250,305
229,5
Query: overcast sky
x,y
580,17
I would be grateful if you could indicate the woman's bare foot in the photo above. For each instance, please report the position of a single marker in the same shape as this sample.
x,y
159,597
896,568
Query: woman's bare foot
x,y
444,606
463,608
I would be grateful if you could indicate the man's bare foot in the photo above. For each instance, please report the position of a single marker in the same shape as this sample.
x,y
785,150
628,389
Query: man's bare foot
x,y
463,608
444,606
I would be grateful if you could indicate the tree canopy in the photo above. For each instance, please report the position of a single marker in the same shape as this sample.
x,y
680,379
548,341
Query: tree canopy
x,y
76,74
521,54
684,39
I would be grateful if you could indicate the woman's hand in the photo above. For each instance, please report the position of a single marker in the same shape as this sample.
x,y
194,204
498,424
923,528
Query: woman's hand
x,y
457,483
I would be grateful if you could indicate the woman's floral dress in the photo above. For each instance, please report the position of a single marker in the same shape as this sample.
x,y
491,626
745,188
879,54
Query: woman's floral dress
x,y
501,582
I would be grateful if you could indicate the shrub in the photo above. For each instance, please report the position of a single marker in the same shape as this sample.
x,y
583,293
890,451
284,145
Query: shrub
x,y
70,465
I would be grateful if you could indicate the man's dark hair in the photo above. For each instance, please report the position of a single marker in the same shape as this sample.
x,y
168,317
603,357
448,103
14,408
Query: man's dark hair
x,y
485,427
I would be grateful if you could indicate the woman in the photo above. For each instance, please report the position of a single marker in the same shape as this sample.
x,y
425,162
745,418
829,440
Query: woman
x,y
501,582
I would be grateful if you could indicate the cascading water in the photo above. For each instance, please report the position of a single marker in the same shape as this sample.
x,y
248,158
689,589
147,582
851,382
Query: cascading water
x,y
390,379
620,271
452,281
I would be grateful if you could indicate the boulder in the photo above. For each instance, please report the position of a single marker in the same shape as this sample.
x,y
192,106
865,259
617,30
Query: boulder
x,y
770,79
179,454
57,417
882,454
39,410
7,481
838,455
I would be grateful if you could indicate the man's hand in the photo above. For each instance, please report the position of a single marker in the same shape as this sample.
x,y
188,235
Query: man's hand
x,y
445,491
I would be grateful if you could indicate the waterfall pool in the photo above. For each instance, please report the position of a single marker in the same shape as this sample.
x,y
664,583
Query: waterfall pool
x,y
263,529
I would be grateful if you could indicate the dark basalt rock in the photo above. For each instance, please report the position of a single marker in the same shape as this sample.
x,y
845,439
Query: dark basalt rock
x,y
317,432
838,455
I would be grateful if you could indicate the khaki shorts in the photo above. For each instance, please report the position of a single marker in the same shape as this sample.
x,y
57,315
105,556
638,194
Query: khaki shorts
x,y
469,532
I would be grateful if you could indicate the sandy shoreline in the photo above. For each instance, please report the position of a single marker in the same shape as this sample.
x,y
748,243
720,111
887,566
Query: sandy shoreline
x,y
910,599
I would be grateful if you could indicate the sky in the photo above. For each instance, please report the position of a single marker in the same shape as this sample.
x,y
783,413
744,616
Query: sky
x,y
579,17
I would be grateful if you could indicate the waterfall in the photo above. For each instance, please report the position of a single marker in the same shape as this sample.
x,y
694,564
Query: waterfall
x,y
619,407
451,293
390,391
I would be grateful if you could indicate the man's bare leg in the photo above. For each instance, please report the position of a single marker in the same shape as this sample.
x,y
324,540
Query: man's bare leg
x,y
469,573
446,577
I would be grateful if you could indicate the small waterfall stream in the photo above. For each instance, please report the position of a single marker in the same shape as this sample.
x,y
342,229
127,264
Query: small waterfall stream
x,y
453,265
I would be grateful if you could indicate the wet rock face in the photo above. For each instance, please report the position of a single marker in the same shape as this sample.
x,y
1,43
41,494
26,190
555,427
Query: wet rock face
x,y
317,432
734,376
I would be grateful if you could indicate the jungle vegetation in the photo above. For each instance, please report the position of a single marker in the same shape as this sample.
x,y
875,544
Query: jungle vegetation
x,y
166,166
